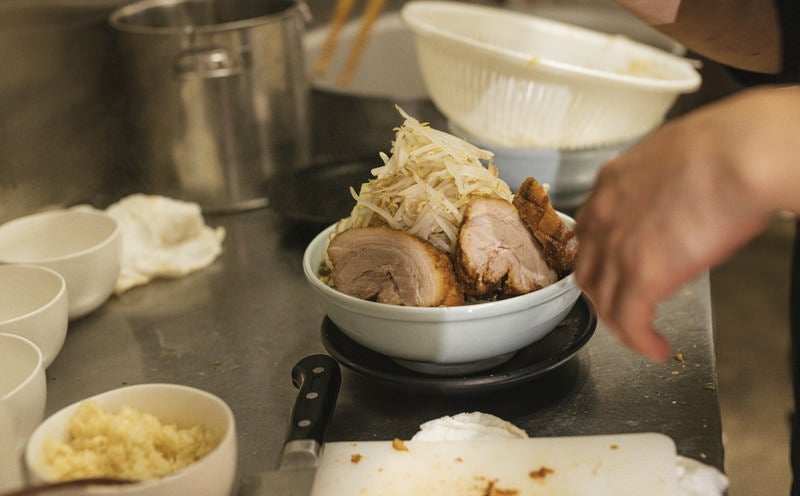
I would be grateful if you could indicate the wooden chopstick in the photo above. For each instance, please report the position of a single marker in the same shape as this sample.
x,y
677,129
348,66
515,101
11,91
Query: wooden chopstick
x,y
341,12
56,487
371,13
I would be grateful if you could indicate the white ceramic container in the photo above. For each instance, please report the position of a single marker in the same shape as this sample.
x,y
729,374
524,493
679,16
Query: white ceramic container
x,y
523,80
34,305
82,244
212,475
23,388
442,335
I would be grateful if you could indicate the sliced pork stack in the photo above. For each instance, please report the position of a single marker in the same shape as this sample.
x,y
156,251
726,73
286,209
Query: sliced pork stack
x,y
391,266
503,248
496,253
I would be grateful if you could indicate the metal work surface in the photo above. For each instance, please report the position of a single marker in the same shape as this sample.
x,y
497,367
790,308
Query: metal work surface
x,y
237,328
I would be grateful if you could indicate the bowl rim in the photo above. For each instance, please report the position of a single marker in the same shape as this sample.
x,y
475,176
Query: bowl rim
x,y
42,308
36,368
119,19
689,81
64,414
429,314
49,215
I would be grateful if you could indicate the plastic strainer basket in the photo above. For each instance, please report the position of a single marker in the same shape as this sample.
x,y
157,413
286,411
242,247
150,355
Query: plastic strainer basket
x,y
520,80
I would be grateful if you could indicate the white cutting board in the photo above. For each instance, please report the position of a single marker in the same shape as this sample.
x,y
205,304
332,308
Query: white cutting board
x,y
618,465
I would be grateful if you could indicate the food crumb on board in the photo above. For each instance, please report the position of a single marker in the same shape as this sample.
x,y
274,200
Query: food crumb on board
x,y
679,357
355,458
493,490
541,473
458,459
399,445
614,447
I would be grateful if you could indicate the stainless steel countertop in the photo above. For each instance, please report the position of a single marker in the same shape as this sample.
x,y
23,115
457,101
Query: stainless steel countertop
x,y
237,327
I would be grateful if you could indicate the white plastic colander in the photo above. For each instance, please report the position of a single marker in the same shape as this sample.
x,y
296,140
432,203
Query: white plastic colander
x,y
524,81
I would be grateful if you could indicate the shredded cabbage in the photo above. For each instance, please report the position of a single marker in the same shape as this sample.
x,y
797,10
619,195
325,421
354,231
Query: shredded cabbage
x,y
425,186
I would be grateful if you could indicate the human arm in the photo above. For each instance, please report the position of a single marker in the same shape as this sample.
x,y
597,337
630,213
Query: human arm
x,y
681,201
743,34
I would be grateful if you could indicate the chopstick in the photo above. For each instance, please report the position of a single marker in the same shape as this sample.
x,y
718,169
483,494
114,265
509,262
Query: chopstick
x,y
342,10
371,13
340,14
53,487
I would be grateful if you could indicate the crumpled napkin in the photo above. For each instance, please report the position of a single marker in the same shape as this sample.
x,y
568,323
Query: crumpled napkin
x,y
694,478
162,237
699,479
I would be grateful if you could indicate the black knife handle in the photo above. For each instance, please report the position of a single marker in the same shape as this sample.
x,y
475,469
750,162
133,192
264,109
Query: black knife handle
x,y
318,377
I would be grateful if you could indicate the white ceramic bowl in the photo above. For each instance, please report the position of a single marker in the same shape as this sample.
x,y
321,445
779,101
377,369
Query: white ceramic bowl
x,y
391,45
82,244
10,460
524,80
442,336
212,475
33,304
571,173
23,388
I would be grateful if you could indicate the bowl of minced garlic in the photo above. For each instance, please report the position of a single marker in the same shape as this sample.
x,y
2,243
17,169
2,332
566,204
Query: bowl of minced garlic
x,y
170,439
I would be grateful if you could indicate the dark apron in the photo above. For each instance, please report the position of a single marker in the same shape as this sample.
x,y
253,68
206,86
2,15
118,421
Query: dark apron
x,y
794,319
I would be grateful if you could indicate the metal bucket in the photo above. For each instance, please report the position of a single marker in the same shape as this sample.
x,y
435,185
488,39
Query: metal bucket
x,y
217,96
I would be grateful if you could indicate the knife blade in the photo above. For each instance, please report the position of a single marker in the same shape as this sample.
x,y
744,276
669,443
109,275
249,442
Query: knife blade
x,y
318,378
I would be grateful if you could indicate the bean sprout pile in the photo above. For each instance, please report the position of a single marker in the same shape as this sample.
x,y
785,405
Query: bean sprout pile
x,y
426,184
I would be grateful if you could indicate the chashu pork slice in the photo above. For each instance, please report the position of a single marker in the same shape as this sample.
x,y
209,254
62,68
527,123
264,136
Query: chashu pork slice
x,y
496,253
559,241
391,266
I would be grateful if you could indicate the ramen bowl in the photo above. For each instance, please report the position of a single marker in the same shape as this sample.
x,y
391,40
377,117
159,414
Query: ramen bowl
x,y
467,337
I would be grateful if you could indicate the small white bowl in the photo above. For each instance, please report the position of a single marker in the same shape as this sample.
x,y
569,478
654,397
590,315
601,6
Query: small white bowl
x,y
23,388
34,305
82,244
212,475
10,460
451,337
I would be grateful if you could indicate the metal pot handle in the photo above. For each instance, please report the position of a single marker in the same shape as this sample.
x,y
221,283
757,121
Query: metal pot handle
x,y
206,63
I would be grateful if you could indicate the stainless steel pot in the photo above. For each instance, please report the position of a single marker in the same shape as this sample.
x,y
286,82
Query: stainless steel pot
x,y
217,96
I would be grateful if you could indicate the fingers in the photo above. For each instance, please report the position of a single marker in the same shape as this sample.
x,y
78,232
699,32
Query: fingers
x,y
630,316
608,272
593,223
627,312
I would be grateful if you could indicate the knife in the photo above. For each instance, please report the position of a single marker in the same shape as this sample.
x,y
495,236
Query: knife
x,y
318,378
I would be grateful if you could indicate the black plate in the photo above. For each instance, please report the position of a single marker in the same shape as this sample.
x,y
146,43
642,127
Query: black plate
x,y
533,361
319,194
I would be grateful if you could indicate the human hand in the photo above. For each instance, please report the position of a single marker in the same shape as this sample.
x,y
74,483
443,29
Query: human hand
x,y
681,201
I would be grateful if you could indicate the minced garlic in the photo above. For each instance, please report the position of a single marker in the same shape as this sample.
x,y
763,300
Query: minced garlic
x,y
128,444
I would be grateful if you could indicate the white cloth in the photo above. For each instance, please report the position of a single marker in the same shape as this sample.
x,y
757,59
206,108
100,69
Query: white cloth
x,y
162,237
466,426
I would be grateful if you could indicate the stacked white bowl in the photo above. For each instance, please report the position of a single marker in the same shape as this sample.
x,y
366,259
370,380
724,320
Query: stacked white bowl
x,y
23,389
82,244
